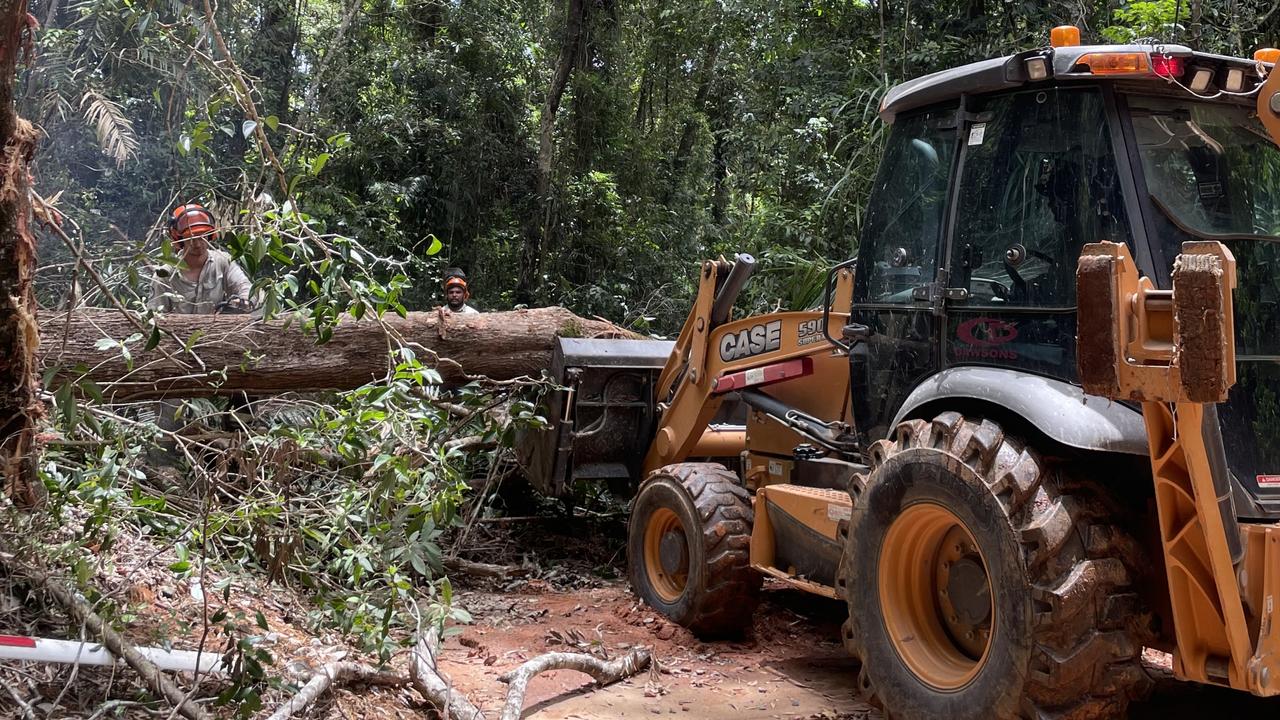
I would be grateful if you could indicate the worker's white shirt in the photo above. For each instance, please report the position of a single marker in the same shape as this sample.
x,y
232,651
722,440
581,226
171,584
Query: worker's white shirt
x,y
220,280
466,310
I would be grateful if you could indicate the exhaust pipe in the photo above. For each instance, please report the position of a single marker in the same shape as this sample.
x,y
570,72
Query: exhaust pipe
x,y
737,278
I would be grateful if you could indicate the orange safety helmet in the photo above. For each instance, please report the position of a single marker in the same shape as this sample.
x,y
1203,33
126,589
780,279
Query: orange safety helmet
x,y
455,276
188,220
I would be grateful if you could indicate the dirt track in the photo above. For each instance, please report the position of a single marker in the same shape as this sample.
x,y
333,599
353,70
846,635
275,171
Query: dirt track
x,y
792,667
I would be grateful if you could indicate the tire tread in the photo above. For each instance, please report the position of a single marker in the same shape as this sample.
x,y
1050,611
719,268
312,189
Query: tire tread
x,y
1088,624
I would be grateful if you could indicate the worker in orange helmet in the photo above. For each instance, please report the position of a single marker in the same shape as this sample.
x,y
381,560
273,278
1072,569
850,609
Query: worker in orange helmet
x,y
456,292
207,280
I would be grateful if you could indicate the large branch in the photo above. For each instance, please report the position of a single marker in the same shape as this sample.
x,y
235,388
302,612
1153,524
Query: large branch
x,y
453,705
337,673
604,673
268,357
450,702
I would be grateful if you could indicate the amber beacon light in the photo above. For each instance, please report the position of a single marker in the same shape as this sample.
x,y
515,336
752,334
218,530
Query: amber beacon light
x,y
1064,36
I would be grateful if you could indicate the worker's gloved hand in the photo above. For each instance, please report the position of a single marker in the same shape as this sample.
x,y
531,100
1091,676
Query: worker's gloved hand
x,y
234,306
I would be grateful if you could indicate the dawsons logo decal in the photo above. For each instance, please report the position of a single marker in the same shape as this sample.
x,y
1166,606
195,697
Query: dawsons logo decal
x,y
752,341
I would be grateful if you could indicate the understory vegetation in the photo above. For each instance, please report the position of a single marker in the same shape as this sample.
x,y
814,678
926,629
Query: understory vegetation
x,y
584,153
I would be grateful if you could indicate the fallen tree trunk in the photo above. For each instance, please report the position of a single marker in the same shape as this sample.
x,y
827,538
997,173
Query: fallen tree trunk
x,y
201,355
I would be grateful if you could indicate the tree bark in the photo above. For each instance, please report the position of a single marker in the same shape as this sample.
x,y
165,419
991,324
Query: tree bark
x,y
531,264
709,57
19,335
268,357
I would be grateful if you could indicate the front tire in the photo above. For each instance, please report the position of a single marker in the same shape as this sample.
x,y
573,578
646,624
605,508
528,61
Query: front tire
x,y
981,586
688,549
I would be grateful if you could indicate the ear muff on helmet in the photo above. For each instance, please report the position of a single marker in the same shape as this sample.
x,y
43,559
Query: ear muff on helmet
x,y
188,220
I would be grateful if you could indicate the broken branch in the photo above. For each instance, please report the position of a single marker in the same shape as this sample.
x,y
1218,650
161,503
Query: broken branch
x,y
336,673
452,704
603,672
479,569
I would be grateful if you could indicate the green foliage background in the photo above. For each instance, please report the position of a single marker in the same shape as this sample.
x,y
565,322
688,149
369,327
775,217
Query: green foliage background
x,y
686,130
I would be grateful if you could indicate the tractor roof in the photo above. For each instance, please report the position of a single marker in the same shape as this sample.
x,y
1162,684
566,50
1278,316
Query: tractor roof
x,y
1167,63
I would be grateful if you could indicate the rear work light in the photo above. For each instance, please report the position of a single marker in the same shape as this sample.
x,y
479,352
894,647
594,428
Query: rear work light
x,y
1235,80
1116,63
1037,69
1200,79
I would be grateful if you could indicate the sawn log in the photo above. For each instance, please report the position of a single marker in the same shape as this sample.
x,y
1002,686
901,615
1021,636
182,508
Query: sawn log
x,y
202,355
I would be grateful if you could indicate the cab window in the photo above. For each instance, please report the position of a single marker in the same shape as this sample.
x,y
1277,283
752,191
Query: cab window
x,y
1039,181
900,242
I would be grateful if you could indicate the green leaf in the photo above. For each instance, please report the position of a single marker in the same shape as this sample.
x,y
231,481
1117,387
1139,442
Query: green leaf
x,y
261,619
435,246
191,341
419,565
66,403
247,127
154,340
272,122
90,388
105,344
319,162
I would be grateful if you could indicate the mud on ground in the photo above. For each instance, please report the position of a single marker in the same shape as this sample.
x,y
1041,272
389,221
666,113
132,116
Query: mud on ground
x,y
790,666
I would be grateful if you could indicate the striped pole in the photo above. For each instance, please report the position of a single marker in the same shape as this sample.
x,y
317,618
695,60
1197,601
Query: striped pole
x,y
21,647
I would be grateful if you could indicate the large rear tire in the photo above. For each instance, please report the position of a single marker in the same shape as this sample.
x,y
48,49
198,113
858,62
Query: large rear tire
x,y
688,549
982,583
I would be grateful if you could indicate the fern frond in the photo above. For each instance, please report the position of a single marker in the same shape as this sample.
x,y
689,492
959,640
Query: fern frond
x,y
115,132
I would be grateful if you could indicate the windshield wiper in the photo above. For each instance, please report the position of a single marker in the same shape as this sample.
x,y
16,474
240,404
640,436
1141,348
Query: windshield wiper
x,y
1177,222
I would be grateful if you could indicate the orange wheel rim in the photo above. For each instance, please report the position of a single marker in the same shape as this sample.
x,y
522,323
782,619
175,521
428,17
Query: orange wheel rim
x,y
667,582
935,596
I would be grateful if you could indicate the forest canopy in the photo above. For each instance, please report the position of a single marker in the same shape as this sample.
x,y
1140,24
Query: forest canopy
x,y
584,153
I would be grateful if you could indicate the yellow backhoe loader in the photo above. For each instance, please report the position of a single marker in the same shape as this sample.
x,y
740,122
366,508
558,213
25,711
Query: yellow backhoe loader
x,y
1031,429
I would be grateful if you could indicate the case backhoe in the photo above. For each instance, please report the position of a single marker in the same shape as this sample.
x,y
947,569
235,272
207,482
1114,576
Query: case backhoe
x,y
1034,426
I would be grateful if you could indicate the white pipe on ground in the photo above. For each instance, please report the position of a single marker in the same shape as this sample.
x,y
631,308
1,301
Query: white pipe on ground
x,y
19,647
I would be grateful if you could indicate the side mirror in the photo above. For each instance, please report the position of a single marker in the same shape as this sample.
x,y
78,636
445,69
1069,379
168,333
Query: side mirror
x,y
826,305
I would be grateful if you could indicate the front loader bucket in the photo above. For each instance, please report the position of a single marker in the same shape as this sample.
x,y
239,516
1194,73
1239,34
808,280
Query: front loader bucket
x,y
601,419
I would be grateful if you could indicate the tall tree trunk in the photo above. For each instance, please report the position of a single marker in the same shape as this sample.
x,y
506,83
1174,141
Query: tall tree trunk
x,y
19,334
708,73
1197,14
720,164
531,261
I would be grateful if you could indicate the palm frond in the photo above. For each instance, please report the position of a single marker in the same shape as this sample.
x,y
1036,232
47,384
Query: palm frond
x,y
116,136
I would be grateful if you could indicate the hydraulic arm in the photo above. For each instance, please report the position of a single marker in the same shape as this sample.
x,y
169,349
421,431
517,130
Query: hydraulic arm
x,y
715,357
1173,351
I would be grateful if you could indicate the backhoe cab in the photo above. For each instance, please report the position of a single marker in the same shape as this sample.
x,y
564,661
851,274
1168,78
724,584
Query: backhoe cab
x,y
1031,429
